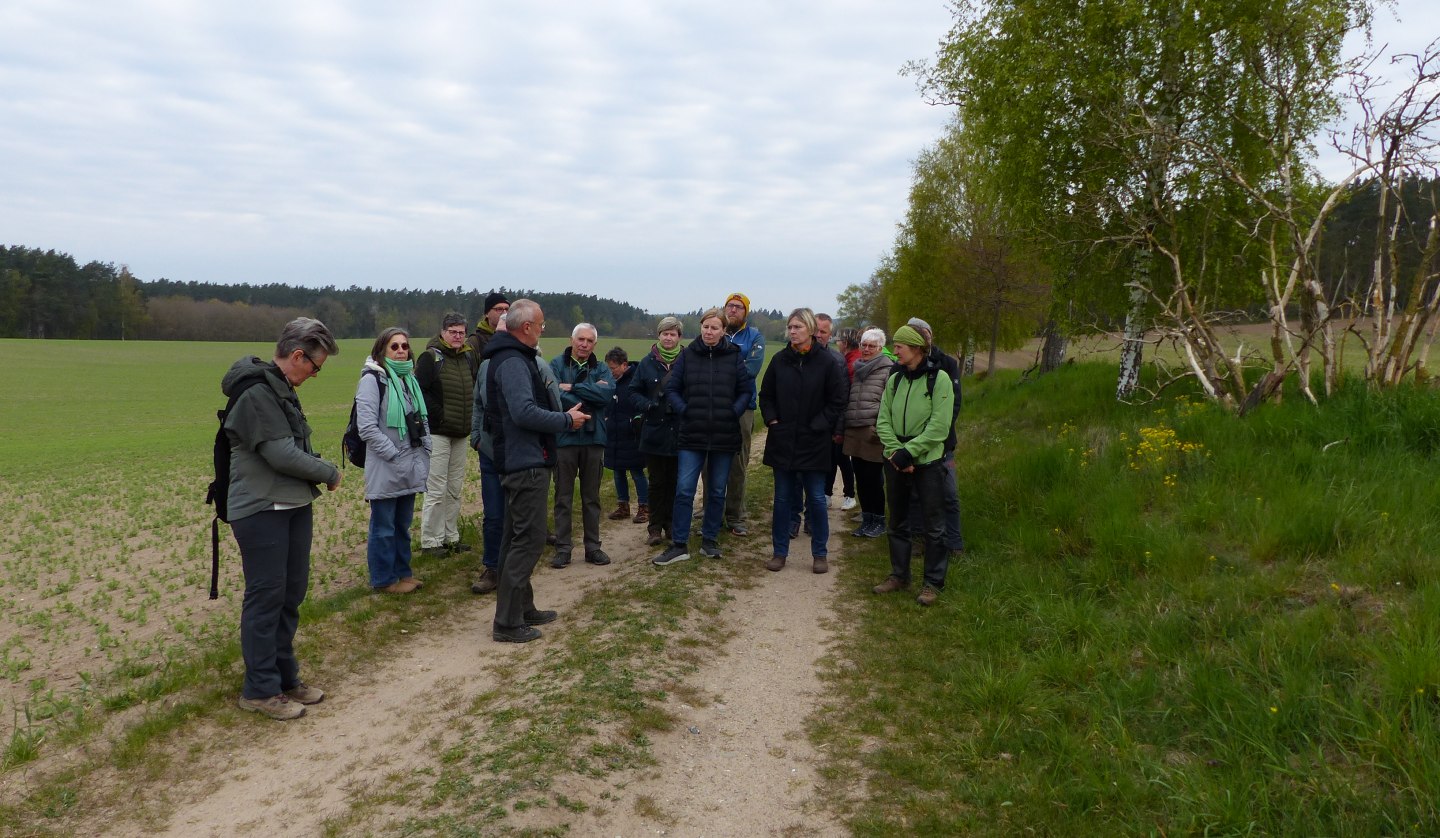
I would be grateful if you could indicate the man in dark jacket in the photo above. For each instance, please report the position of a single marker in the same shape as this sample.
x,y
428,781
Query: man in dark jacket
x,y
954,539
523,427
495,307
446,372
585,382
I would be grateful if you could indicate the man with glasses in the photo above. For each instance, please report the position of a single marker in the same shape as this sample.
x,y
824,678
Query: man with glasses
x,y
752,348
495,307
446,372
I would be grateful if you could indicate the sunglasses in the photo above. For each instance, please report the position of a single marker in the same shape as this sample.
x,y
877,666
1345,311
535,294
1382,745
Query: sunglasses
x,y
395,346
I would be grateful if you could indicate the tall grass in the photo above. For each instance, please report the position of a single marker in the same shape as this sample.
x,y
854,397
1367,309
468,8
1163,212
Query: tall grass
x,y
1170,621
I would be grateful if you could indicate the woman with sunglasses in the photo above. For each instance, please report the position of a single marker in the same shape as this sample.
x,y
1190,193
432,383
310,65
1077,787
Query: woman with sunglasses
x,y
391,417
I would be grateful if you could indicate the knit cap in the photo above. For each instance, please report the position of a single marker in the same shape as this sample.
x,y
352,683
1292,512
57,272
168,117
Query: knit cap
x,y
744,300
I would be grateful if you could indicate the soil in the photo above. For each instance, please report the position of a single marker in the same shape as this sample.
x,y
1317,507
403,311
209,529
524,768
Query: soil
x,y
738,762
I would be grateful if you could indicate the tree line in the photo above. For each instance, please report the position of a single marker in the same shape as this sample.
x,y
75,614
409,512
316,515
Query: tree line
x,y
47,294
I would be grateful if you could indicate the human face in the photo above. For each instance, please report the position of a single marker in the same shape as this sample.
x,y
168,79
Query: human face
x,y
669,339
734,313
304,366
617,370
582,345
530,331
823,328
869,349
454,336
910,356
711,330
495,314
798,334
398,349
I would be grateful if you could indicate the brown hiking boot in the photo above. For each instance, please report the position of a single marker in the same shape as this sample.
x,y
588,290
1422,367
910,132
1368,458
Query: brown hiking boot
x,y
889,586
401,587
928,596
278,707
489,580
821,565
305,694
622,511
657,536
642,514
776,563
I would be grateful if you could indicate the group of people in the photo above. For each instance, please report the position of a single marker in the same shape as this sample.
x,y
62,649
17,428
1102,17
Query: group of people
x,y
681,416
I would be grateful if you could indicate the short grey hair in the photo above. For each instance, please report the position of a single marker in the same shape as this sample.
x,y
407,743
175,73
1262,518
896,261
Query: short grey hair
x,y
873,335
454,318
521,311
308,335
670,324
579,327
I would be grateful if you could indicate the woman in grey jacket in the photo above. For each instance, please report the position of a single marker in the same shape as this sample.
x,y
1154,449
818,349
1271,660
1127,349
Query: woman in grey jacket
x,y
862,444
393,423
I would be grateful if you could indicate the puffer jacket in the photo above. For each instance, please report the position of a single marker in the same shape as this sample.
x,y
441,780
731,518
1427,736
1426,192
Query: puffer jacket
x,y
447,378
709,387
801,402
271,459
660,435
393,467
863,408
591,386
914,417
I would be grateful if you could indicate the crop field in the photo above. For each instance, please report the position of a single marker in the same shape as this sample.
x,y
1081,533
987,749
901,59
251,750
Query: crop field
x,y
104,535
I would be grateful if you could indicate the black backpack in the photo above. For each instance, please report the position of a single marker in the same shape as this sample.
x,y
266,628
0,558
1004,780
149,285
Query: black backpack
x,y
351,445
218,494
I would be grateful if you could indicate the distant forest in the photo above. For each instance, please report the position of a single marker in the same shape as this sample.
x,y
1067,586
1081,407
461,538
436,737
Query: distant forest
x,y
46,294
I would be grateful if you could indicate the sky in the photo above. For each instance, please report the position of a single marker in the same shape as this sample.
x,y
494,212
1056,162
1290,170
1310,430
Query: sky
x,y
659,153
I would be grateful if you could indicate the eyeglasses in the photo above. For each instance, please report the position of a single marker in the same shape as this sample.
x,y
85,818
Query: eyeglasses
x,y
460,332
397,346
312,362
540,325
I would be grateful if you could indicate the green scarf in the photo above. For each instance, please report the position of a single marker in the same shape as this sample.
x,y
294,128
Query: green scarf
x,y
401,374
668,355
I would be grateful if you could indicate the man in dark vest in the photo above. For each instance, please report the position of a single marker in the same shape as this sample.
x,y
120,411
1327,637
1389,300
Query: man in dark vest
x,y
446,372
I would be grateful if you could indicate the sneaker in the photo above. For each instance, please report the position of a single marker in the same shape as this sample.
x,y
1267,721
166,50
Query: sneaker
x,y
848,504
820,565
540,618
305,694
928,596
710,550
889,586
459,547
560,560
489,580
776,563
278,707
876,529
739,529
676,553
523,634
597,557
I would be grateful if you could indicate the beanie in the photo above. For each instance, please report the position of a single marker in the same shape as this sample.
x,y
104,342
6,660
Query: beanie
x,y
495,299
919,325
744,300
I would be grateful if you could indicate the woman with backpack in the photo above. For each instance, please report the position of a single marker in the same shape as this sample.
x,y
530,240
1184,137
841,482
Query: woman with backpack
x,y
393,422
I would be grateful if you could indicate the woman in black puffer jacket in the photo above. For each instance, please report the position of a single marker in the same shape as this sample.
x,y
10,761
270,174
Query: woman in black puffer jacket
x,y
709,387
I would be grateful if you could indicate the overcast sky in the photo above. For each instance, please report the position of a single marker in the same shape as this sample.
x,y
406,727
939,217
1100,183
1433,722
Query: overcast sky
x,y
661,153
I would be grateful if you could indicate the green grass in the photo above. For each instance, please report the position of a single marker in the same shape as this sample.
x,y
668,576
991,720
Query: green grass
x,y
1170,621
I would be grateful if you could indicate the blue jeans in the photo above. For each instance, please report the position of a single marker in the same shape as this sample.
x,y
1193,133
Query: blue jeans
x,y
811,486
622,486
492,498
388,552
716,465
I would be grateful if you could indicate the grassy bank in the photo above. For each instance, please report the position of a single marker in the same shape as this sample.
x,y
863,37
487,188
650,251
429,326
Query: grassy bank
x,y
1169,621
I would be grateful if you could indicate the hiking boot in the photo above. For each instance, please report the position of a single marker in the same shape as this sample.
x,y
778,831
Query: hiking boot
x,y
411,580
540,618
776,563
305,694
560,560
489,580
458,547
676,553
656,537
397,587
739,529
928,595
710,550
597,557
642,514
523,634
278,707
889,586
622,511
435,552
820,565
848,504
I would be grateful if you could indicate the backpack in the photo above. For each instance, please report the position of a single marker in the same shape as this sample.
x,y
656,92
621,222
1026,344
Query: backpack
x,y
218,493
930,377
351,445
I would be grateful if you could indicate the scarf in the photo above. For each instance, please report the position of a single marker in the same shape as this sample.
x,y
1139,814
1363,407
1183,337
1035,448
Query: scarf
x,y
668,355
863,367
401,374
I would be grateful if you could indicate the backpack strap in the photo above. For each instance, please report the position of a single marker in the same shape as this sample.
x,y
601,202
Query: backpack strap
x,y
215,490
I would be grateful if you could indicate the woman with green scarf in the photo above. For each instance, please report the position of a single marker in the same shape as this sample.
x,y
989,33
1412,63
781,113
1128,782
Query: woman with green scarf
x,y
390,415
659,434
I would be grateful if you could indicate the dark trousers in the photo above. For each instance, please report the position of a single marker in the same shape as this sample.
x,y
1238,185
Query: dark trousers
x,y
922,489
492,498
846,469
664,473
870,486
954,538
587,463
525,496
275,554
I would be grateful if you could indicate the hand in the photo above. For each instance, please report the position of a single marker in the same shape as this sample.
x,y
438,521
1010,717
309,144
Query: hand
x,y
578,417
566,386
333,486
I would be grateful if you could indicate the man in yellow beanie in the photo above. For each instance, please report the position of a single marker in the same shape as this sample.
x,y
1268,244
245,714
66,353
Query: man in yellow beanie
x,y
752,349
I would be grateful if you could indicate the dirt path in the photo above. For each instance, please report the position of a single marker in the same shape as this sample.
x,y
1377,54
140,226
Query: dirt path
x,y
738,765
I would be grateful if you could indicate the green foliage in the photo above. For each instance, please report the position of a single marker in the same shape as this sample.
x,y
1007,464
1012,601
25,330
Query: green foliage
x,y
1169,621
